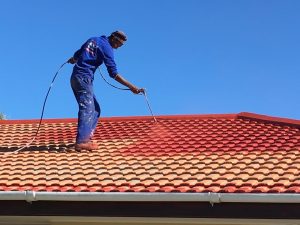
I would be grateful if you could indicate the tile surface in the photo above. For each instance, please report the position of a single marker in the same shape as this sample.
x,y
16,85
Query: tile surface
x,y
233,153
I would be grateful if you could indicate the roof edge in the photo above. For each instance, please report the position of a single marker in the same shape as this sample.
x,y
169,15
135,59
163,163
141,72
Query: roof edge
x,y
211,197
269,119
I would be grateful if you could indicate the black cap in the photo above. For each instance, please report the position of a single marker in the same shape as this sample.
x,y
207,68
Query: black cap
x,y
120,35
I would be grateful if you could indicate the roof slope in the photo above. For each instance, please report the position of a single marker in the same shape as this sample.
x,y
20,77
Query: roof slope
x,y
193,153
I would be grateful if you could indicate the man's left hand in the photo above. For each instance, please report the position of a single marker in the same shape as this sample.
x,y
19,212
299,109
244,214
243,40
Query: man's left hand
x,y
72,60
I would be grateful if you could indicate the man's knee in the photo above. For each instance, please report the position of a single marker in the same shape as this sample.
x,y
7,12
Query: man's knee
x,y
86,102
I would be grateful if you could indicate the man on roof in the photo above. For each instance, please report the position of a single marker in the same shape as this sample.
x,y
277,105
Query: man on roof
x,y
87,59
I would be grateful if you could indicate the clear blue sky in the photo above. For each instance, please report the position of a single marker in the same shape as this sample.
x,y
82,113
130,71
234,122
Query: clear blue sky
x,y
193,56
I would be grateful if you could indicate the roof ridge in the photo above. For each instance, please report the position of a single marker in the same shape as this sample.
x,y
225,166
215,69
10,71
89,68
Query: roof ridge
x,y
241,115
178,116
30,121
124,118
269,119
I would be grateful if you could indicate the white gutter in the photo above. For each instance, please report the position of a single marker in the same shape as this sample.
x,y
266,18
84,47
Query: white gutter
x,y
210,197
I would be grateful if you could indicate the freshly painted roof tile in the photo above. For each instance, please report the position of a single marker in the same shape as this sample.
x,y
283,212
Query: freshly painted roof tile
x,y
234,153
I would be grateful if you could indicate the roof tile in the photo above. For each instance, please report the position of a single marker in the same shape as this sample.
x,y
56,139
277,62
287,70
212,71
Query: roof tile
x,y
234,153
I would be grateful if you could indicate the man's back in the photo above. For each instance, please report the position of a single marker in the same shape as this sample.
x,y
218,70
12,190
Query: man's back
x,y
92,54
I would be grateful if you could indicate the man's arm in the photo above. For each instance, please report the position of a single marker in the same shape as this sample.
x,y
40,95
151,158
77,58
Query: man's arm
x,y
108,58
126,83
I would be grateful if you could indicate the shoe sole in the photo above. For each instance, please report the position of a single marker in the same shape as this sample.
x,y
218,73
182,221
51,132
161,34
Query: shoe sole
x,y
87,149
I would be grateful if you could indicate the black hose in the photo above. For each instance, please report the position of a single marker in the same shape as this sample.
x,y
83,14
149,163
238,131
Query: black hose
x,y
42,114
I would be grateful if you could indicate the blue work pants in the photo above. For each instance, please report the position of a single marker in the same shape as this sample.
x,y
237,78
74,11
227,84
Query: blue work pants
x,y
89,108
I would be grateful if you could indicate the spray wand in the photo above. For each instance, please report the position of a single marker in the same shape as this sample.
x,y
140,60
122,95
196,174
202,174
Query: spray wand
x,y
144,93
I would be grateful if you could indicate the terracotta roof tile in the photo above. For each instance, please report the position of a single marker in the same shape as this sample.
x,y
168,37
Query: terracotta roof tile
x,y
241,153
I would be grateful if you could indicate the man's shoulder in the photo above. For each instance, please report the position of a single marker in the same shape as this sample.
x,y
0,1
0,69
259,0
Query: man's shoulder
x,y
99,38
102,38
104,44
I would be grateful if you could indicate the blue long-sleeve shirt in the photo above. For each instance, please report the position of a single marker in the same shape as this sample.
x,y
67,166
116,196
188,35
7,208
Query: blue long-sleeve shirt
x,y
92,54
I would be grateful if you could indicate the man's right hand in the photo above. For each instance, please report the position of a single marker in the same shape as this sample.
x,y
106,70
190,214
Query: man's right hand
x,y
126,83
136,90
142,90
72,60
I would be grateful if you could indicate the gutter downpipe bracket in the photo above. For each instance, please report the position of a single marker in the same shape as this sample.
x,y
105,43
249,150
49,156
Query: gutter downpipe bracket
x,y
30,196
214,198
